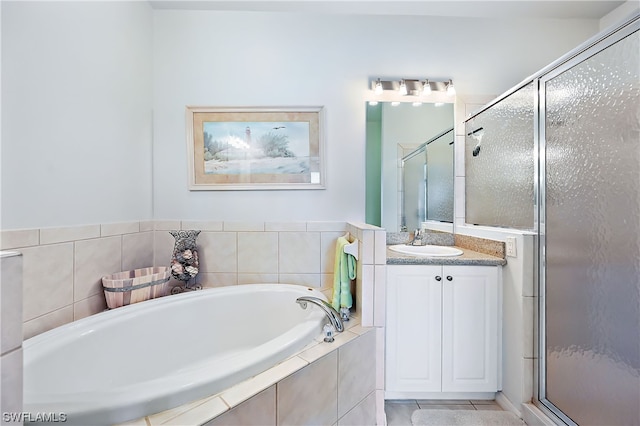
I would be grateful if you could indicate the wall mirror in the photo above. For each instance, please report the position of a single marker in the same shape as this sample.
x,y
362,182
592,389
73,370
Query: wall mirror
x,y
409,166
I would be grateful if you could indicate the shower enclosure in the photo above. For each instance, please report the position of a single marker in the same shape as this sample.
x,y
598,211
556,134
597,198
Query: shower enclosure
x,y
590,234
585,206
427,182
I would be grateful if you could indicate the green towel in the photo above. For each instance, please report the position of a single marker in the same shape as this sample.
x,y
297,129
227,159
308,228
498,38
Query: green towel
x,y
344,270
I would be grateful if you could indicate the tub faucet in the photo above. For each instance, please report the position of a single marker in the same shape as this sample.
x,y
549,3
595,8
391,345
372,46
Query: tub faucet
x,y
334,317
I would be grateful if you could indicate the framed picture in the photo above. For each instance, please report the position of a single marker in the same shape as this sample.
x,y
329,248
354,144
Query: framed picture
x,y
243,148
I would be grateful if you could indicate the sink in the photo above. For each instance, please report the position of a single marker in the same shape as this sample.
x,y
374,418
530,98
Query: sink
x,y
427,250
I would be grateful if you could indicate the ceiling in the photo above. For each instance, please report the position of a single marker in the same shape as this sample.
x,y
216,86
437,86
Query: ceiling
x,y
566,9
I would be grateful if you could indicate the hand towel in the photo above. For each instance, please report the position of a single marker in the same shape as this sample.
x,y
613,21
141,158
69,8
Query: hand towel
x,y
344,270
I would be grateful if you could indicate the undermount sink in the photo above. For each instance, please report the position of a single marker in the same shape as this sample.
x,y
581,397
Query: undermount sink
x,y
426,250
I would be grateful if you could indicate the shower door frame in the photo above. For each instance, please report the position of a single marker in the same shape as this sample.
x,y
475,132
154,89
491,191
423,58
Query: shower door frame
x,y
575,57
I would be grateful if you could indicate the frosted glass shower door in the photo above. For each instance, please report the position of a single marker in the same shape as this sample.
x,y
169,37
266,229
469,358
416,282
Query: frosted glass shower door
x,y
414,196
500,162
440,178
590,149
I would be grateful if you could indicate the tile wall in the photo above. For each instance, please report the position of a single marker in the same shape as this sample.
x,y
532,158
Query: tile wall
x,y
11,330
63,267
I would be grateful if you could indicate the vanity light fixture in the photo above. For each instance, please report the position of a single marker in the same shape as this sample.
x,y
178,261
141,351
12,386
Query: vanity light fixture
x,y
378,88
426,88
411,87
450,89
403,88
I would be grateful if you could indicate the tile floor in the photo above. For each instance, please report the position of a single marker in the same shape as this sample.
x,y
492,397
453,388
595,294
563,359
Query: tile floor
x,y
399,411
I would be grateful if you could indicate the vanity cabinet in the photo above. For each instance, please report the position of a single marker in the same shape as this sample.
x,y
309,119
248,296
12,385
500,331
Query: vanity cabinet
x,y
442,333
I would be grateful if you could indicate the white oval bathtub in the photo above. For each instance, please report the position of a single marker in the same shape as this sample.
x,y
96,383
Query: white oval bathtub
x,y
151,356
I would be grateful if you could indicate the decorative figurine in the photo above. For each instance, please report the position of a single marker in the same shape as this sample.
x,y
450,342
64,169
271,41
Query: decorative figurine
x,y
184,261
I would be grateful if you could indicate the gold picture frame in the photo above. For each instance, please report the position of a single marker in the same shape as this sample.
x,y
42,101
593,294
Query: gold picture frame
x,y
255,148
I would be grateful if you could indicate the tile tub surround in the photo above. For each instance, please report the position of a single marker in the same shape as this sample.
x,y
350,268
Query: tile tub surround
x,y
11,330
232,253
56,260
63,267
335,380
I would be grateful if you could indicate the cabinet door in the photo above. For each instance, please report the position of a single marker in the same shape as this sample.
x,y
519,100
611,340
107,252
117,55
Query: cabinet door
x,y
413,329
470,329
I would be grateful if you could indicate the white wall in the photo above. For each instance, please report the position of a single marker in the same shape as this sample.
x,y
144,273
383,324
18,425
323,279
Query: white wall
x,y
257,59
76,113
619,14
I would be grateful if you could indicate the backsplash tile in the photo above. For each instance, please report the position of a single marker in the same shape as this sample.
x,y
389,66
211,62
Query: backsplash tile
x,y
93,260
309,280
252,243
257,278
10,294
70,233
286,226
137,251
327,226
202,225
167,225
55,272
89,306
216,279
481,245
328,250
14,238
47,322
218,251
243,226
111,229
162,248
47,279
298,252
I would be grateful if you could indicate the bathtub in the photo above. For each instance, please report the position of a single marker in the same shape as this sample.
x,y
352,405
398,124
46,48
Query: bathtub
x,y
148,357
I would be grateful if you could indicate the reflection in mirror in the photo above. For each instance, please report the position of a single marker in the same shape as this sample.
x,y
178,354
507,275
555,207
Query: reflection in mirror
x,y
427,183
425,193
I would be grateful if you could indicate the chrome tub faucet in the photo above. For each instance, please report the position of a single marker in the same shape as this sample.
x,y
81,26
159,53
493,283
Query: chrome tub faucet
x,y
334,317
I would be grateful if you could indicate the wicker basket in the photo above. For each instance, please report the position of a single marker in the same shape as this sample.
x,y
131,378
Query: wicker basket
x,y
125,288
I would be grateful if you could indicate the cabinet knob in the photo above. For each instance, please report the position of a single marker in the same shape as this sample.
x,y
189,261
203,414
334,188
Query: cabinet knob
x,y
438,278
449,278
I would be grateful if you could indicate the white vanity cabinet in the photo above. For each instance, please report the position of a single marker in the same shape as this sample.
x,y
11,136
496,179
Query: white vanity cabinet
x,y
442,333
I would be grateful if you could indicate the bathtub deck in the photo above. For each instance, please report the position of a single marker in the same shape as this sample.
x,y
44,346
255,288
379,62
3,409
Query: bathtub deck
x,y
204,410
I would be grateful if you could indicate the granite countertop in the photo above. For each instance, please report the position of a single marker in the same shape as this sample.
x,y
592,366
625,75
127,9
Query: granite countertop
x,y
468,257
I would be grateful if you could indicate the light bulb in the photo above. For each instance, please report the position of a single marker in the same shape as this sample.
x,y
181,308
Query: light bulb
x,y
373,103
395,103
403,88
426,88
378,88
450,89
417,104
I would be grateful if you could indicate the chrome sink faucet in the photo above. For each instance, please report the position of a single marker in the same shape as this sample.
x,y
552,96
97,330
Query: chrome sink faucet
x,y
417,238
334,317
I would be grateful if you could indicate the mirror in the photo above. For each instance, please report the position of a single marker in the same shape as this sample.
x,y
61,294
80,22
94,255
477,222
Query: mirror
x,y
409,166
